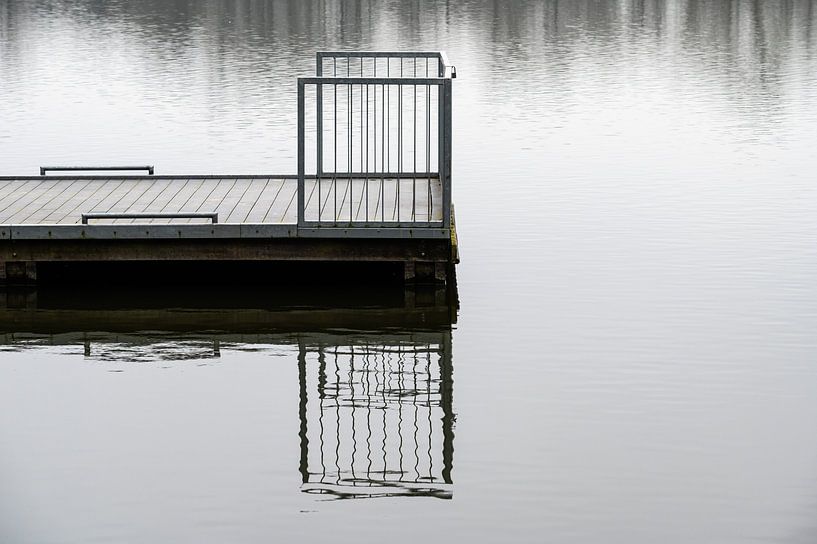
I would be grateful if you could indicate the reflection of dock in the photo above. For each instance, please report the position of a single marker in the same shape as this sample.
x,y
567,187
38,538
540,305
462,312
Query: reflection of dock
x,y
69,315
375,368
376,416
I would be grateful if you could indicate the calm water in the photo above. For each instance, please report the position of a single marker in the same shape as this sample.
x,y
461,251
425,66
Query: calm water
x,y
634,358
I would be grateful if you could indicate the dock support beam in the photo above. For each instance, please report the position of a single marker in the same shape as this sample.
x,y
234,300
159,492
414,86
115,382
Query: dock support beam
x,y
18,272
425,272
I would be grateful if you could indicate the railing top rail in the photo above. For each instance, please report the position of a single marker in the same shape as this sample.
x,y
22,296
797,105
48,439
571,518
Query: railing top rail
x,y
384,54
353,80
447,69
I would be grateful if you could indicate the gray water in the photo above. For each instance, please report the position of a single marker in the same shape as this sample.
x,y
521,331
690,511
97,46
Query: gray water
x,y
634,358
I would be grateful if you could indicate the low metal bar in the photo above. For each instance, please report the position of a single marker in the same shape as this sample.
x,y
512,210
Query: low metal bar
x,y
44,169
212,216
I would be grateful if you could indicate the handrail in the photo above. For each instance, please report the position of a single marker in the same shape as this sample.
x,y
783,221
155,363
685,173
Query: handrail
x,y
44,169
446,69
213,216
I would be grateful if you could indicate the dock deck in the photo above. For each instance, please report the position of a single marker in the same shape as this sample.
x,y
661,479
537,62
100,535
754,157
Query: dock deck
x,y
30,205
373,184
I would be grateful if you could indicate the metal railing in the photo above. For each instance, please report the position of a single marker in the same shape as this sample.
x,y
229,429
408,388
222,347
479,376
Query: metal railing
x,y
374,141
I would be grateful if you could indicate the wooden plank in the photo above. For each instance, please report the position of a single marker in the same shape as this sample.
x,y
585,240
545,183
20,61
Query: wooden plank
x,y
162,199
327,196
105,191
141,204
310,190
199,196
42,200
275,212
111,201
311,196
233,197
180,199
362,199
71,210
248,200
343,213
19,200
67,204
125,201
288,212
6,182
389,201
58,198
437,200
12,186
265,201
217,196
372,212
130,200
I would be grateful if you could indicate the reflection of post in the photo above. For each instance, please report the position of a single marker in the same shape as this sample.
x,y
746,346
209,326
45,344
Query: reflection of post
x,y
302,411
446,394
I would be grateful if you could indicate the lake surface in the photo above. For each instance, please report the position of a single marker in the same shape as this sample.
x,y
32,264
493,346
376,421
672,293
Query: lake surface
x,y
633,358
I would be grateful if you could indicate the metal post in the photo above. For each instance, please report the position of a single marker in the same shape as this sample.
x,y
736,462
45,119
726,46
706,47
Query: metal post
x,y
447,155
319,170
301,151
441,141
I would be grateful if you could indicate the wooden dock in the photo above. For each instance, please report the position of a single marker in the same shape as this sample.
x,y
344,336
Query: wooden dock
x,y
375,187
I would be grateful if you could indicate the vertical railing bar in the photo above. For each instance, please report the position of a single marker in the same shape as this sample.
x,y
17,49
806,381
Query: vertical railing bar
x,y
428,146
383,143
388,127
374,107
335,171
318,174
399,138
361,125
414,147
319,62
301,150
367,153
349,152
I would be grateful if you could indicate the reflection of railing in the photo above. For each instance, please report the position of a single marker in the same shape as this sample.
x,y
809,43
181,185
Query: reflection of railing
x,y
379,140
377,420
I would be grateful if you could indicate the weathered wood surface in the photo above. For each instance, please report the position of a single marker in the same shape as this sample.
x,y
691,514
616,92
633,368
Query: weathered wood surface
x,y
238,200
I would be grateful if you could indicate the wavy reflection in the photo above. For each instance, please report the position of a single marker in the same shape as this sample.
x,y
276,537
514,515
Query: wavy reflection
x,y
376,415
